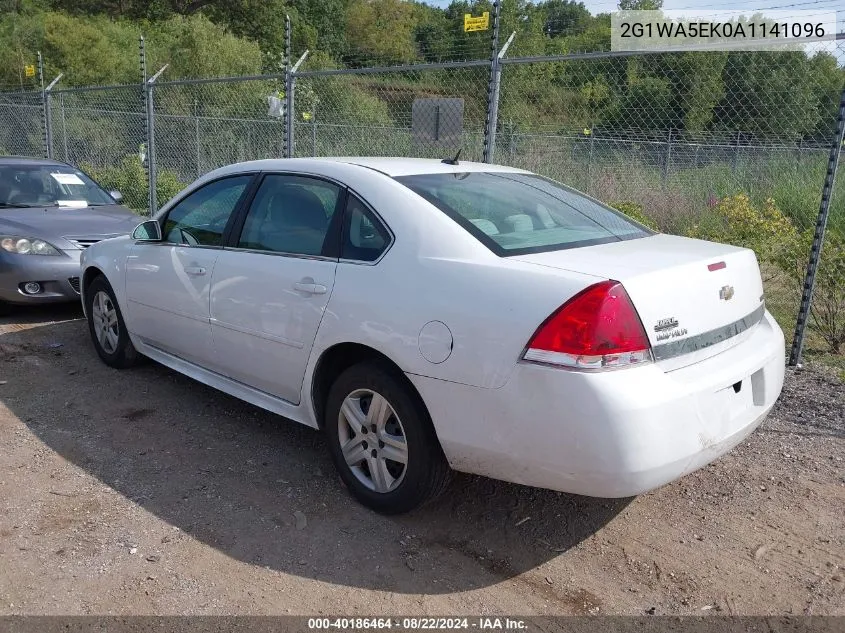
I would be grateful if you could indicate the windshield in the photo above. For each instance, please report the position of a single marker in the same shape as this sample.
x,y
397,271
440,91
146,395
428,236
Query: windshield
x,y
517,214
48,186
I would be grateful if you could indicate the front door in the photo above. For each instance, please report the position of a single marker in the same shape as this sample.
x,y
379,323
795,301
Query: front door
x,y
269,291
168,282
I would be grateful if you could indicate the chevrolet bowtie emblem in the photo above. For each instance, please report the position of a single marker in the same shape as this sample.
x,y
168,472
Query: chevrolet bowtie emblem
x,y
726,293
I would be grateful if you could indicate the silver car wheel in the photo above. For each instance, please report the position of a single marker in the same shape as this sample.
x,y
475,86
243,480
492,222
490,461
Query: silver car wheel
x,y
106,327
372,440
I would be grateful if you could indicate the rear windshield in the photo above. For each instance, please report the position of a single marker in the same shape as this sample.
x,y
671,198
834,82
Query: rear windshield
x,y
516,214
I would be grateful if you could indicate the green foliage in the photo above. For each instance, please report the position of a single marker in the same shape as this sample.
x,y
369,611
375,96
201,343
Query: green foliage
x,y
129,178
381,30
763,228
777,242
97,50
635,212
197,47
828,308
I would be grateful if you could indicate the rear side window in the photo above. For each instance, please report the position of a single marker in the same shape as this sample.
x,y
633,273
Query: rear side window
x,y
364,236
516,214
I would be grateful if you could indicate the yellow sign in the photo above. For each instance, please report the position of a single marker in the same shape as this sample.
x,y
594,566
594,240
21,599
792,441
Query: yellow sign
x,y
29,70
476,24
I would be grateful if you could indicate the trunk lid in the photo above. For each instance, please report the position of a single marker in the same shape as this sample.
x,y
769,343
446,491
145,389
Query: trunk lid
x,y
695,298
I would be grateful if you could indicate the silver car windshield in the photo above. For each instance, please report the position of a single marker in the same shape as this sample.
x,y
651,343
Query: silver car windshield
x,y
23,186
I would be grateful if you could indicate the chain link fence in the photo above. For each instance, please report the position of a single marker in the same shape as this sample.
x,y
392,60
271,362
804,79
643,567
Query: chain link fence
x,y
428,112
604,123
726,146
200,126
102,130
21,124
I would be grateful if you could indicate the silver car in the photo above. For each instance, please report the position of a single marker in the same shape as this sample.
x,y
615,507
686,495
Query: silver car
x,y
49,213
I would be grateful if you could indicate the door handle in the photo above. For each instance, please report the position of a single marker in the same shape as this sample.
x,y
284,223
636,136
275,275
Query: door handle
x,y
310,288
195,270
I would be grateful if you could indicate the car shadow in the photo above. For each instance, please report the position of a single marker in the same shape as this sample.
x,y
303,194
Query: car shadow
x,y
263,490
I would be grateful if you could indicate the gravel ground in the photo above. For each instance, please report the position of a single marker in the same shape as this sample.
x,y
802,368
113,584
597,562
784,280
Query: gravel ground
x,y
143,492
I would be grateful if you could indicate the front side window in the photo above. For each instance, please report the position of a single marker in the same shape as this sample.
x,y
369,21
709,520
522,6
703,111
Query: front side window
x,y
201,218
290,214
364,237
516,214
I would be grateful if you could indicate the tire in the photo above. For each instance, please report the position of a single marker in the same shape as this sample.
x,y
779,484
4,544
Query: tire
x,y
377,481
5,309
112,342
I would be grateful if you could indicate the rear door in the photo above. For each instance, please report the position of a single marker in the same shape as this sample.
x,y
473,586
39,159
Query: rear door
x,y
168,282
271,285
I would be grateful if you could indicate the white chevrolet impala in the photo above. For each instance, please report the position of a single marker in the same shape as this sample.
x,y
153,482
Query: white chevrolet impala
x,y
434,316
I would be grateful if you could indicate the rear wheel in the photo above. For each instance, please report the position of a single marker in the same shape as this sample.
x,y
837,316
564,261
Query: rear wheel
x,y
381,440
106,326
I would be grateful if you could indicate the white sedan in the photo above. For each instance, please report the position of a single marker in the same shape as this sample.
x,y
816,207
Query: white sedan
x,y
432,316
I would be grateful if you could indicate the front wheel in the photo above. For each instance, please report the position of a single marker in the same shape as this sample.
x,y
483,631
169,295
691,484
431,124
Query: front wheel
x,y
106,326
382,441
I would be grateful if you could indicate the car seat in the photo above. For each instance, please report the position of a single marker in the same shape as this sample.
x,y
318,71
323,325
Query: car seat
x,y
31,191
294,221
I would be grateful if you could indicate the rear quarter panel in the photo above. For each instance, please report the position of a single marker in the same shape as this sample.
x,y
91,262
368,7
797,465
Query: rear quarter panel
x,y
436,271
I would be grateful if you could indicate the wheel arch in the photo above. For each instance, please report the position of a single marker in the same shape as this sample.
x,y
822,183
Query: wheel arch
x,y
90,273
339,357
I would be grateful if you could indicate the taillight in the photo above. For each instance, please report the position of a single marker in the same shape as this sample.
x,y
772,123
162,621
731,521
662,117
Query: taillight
x,y
598,328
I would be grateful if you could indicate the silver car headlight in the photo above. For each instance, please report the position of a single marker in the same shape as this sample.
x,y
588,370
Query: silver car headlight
x,y
27,245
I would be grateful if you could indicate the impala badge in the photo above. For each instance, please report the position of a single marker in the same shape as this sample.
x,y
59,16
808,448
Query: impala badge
x,y
668,328
666,324
726,293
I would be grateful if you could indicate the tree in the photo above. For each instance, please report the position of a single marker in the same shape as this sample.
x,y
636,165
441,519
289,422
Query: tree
x,y
640,5
564,17
381,30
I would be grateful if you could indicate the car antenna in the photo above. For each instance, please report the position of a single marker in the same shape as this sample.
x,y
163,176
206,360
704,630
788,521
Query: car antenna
x,y
452,161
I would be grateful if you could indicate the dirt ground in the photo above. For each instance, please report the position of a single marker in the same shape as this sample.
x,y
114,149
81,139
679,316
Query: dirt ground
x,y
143,492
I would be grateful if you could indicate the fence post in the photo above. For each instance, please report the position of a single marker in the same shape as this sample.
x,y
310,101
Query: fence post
x,y
45,134
736,152
145,158
151,140
48,114
818,238
492,89
314,129
286,119
291,117
64,125
667,161
197,137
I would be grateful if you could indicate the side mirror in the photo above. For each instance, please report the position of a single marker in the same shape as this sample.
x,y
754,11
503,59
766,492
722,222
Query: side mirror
x,y
149,231
116,196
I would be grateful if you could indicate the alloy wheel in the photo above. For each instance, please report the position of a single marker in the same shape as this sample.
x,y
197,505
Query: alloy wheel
x,y
372,440
106,327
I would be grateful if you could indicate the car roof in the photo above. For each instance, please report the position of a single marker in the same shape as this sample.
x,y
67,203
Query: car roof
x,y
410,166
29,160
384,165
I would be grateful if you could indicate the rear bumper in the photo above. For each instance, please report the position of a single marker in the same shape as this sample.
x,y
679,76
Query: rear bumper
x,y
609,434
58,276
